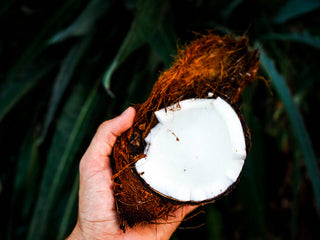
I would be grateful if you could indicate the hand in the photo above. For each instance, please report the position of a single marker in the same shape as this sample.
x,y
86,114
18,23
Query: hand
x,y
97,218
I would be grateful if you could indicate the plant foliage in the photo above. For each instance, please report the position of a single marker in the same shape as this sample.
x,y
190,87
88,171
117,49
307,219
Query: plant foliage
x,y
69,65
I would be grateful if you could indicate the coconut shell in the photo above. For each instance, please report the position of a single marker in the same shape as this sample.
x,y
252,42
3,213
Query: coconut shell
x,y
222,65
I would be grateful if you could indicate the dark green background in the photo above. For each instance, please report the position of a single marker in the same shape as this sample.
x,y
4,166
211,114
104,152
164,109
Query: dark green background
x,y
68,65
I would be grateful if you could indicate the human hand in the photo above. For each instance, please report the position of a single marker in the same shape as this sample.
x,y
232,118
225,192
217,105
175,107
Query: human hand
x,y
97,217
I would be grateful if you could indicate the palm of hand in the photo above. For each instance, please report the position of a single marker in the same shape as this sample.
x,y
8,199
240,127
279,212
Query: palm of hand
x,y
97,218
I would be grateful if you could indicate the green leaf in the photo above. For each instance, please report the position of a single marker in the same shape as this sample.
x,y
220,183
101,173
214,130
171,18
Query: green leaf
x,y
297,177
84,24
146,21
37,46
297,123
164,42
251,186
63,78
67,216
226,13
26,175
13,90
25,74
65,144
5,5
295,8
303,37
214,223
25,182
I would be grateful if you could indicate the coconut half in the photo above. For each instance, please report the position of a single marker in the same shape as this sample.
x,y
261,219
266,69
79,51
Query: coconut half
x,y
191,152
196,151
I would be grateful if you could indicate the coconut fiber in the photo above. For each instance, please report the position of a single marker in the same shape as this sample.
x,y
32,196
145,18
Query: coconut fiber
x,y
221,65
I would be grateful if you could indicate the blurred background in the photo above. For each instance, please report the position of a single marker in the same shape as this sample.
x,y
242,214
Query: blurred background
x,y
68,65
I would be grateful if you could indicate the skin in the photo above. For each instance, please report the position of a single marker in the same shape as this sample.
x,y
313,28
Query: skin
x,y
97,218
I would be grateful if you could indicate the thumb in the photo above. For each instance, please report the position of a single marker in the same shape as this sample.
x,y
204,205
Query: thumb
x,y
101,145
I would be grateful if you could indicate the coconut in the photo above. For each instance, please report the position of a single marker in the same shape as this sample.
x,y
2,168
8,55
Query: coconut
x,y
189,141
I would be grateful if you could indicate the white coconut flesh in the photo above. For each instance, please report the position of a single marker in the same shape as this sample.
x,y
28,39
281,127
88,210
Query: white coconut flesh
x,y
195,152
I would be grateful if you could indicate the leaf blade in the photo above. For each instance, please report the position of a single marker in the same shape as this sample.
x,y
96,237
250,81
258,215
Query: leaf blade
x,y
142,28
84,23
65,145
66,219
304,37
295,8
16,88
63,79
297,123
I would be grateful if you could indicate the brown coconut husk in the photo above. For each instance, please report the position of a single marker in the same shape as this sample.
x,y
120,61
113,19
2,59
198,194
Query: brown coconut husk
x,y
222,65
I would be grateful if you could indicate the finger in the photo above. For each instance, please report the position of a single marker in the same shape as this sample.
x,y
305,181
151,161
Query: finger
x,y
163,229
173,222
101,145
